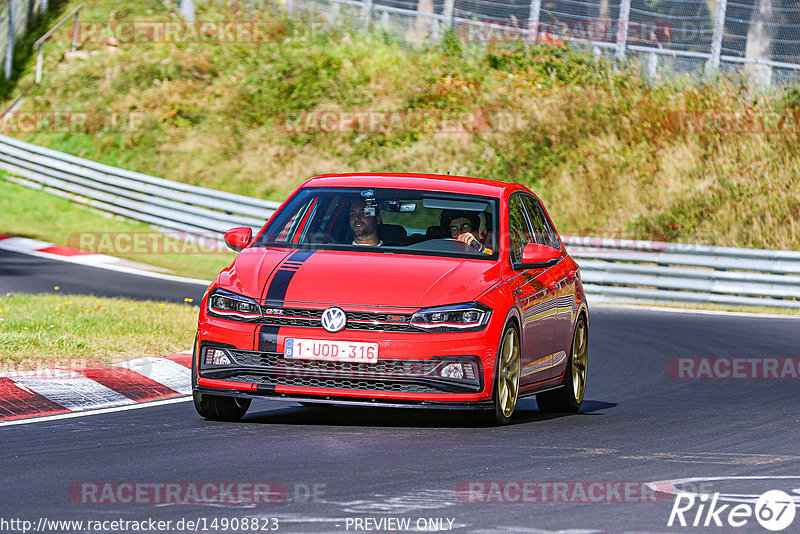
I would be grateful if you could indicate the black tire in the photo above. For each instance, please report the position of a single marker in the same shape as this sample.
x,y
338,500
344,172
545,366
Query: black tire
x,y
506,381
568,399
219,408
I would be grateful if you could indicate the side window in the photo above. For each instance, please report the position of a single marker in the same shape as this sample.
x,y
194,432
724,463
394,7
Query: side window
x,y
543,232
519,232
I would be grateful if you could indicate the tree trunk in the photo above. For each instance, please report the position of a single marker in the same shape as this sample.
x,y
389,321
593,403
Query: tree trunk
x,y
759,40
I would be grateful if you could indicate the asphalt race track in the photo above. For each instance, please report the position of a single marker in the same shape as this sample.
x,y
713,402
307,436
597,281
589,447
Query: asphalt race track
x,y
637,425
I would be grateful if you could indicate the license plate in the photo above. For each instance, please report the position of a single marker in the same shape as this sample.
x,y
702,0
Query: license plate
x,y
336,351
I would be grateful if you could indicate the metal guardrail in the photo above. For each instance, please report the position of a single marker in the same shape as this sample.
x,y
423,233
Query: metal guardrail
x,y
612,270
162,203
626,270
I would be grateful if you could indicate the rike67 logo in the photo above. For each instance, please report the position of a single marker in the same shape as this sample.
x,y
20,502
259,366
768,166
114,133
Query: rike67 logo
x,y
774,510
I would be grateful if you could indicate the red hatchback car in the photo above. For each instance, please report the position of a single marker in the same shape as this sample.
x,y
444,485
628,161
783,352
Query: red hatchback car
x,y
402,290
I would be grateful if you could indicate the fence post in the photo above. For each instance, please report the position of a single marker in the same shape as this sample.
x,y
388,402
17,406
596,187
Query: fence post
x,y
39,60
10,42
652,65
290,7
622,27
767,76
716,40
366,12
385,21
334,12
75,27
449,7
43,7
187,10
533,19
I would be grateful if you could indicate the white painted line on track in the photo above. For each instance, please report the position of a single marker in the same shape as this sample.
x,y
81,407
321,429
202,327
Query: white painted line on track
x,y
86,413
73,391
166,372
29,246
690,310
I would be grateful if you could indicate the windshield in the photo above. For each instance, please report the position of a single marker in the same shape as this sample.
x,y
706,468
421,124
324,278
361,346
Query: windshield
x,y
387,220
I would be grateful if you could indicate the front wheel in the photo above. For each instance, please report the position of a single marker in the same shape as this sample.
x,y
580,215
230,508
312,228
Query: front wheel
x,y
570,397
506,381
219,408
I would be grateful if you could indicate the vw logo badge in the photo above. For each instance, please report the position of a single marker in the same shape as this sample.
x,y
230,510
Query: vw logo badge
x,y
333,319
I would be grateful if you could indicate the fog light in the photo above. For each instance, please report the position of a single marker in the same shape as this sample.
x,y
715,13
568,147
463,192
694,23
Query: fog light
x,y
217,357
452,370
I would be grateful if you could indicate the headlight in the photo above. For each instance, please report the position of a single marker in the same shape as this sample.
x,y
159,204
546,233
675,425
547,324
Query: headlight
x,y
229,305
456,318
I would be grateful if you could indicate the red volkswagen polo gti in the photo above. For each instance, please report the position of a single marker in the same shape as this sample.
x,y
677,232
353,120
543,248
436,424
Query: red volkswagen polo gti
x,y
403,290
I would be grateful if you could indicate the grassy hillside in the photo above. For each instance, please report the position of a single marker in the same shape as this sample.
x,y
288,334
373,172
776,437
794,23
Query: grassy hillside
x,y
607,152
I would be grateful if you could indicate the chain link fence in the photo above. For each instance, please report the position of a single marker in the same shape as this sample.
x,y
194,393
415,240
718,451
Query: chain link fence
x,y
756,39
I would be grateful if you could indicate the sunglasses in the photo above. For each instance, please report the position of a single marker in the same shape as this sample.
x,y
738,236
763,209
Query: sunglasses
x,y
464,228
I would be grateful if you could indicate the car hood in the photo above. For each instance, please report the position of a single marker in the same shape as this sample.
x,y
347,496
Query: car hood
x,y
358,278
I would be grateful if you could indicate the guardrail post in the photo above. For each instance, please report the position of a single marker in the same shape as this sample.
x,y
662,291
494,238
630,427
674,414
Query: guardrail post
x,y
385,21
533,19
290,7
43,7
622,27
449,7
10,42
366,13
716,40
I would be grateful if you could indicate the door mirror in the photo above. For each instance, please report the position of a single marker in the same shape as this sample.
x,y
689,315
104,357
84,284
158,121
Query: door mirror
x,y
238,238
535,256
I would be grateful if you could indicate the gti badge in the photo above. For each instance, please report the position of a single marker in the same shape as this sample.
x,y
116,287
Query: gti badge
x,y
333,319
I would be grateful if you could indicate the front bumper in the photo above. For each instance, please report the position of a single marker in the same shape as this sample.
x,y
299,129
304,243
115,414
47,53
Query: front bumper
x,y
342,400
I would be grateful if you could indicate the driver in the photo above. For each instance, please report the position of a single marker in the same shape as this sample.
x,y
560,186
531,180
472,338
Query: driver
x,y
365,229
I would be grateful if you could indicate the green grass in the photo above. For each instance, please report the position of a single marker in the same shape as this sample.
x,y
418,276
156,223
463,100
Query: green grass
x,y
605,149
38,331
40,215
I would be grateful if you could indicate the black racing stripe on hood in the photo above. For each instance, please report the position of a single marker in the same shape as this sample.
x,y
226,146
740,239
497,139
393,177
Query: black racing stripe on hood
x,y
280,281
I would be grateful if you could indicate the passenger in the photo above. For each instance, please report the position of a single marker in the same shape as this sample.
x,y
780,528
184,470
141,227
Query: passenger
x,y
464,226
365,229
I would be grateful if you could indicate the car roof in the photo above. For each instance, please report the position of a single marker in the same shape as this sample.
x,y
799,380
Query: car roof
x,y
429,182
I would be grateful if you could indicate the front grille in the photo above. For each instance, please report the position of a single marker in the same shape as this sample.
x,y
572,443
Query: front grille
x,y
376,322
276,363
339,383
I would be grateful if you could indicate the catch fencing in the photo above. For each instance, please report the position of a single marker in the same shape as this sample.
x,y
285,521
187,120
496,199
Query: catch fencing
x,y
16,17
610,269
759,39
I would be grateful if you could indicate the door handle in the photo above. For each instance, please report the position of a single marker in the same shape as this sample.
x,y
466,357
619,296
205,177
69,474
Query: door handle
x,y
518,291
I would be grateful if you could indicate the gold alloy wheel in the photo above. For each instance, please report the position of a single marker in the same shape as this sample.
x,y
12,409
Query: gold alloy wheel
x,y
508,373
579,358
